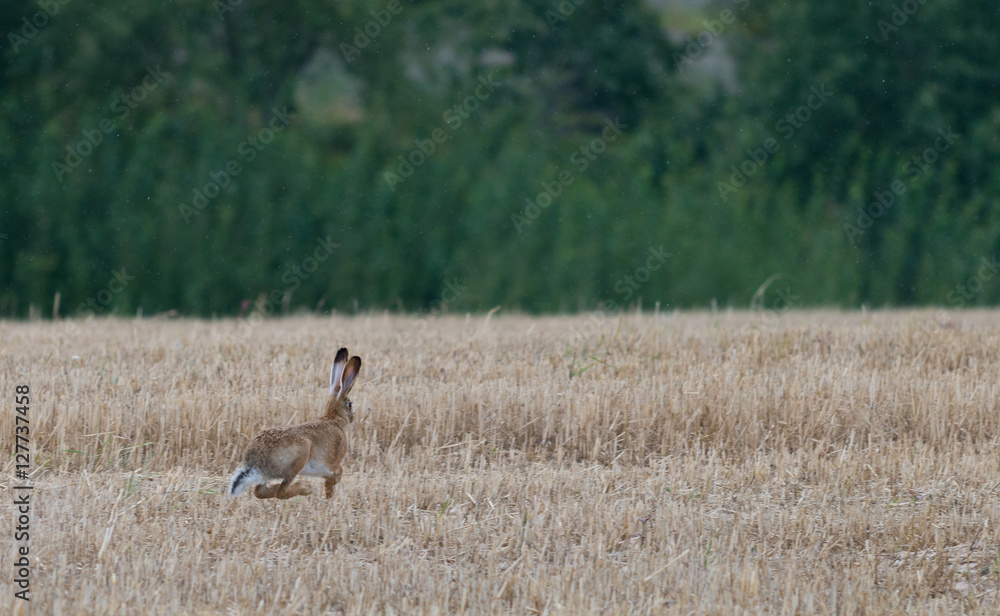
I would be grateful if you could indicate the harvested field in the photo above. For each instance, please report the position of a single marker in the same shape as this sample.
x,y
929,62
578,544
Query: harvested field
x,y
807,463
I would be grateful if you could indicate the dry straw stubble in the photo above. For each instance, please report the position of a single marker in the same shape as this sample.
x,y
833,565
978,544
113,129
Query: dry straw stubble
x,y
826,463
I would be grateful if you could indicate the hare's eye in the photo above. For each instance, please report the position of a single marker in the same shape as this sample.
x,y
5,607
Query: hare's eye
x,y
350,405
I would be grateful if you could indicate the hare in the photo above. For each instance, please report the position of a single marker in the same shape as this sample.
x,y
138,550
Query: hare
x,y
312,449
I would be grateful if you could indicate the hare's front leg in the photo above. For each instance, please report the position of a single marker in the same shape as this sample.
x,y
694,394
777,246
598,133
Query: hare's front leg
x,y
333,479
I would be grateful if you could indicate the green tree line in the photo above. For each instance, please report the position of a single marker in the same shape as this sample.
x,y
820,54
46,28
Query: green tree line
x,y
194,156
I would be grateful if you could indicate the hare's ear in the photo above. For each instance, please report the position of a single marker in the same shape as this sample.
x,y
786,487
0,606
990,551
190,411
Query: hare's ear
x,y
338,370
350,374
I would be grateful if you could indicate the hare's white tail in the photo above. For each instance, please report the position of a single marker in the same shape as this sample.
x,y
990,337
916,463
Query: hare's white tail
x,y
243,479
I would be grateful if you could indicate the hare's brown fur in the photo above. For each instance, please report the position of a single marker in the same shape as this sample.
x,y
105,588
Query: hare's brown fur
x,y
283,453
312,449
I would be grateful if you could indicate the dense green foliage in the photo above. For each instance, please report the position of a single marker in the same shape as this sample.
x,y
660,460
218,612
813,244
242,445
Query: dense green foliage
x,y
571,141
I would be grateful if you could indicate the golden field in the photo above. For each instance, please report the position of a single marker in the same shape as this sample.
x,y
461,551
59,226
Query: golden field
x,y
728,463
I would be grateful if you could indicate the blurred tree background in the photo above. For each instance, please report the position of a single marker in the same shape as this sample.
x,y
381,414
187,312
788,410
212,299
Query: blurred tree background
x,y
193,155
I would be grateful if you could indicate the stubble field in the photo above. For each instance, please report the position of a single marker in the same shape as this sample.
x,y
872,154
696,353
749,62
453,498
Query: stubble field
x,y
816,463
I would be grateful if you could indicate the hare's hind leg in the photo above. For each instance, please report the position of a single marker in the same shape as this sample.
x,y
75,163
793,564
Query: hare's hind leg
x,y
265,491
287,461
296,489
287,489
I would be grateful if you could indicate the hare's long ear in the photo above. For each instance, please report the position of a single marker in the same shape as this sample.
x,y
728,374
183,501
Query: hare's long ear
x,y
338,370
350,374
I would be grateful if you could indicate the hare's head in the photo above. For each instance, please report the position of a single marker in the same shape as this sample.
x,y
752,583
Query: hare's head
x,y
342,377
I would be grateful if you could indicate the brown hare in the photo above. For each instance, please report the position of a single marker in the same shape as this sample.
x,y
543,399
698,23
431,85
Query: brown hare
x,y
312,449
